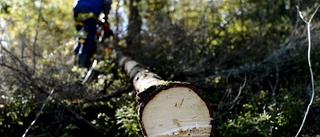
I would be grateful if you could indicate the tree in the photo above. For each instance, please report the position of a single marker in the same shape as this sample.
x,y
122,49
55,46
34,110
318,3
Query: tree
x,y
167,108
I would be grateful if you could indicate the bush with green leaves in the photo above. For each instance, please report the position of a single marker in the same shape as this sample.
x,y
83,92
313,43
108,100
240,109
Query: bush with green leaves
x,y
127,120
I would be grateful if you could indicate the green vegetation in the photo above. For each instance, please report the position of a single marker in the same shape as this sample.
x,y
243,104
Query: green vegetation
x,y
248,58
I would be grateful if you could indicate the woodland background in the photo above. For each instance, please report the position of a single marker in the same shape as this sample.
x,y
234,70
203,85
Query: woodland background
x,y
248,58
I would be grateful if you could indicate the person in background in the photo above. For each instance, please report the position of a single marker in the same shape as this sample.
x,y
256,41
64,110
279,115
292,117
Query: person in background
x,y
86,15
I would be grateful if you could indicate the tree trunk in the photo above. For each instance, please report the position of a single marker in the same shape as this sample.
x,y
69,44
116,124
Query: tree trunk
x,y
134,26
168,108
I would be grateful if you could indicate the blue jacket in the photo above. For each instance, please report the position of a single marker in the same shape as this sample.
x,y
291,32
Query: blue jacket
x,y
94,5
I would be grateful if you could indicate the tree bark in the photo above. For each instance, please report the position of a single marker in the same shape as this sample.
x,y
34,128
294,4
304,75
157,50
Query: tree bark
x,y
167,108
134,26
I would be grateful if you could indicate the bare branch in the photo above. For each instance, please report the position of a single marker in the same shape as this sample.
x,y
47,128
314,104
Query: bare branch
x,y
309,62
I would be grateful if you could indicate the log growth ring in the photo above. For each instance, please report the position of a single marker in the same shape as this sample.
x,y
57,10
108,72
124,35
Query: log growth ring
x,y
176,111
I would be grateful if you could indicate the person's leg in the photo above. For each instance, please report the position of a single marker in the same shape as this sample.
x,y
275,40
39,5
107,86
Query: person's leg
x,y
90,45
84,60
90,27
87,47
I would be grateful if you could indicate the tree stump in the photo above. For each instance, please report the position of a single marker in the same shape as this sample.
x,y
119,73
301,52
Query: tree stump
x,y
168,108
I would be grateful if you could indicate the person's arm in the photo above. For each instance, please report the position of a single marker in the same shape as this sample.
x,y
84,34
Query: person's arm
x,y
106,8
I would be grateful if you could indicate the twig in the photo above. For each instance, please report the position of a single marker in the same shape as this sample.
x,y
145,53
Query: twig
x,y
36,36
38,114
309,62
116,94
239,93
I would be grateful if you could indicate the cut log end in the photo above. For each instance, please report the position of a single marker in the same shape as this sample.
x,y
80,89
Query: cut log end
x,y
176,111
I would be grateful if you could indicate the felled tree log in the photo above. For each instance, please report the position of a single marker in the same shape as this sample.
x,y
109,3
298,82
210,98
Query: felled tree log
x,y
168,108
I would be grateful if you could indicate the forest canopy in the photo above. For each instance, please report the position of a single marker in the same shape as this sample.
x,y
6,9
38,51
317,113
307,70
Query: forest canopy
x,y
248,59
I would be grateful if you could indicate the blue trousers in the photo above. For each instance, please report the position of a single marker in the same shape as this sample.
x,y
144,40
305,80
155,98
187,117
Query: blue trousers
x,y
89,47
